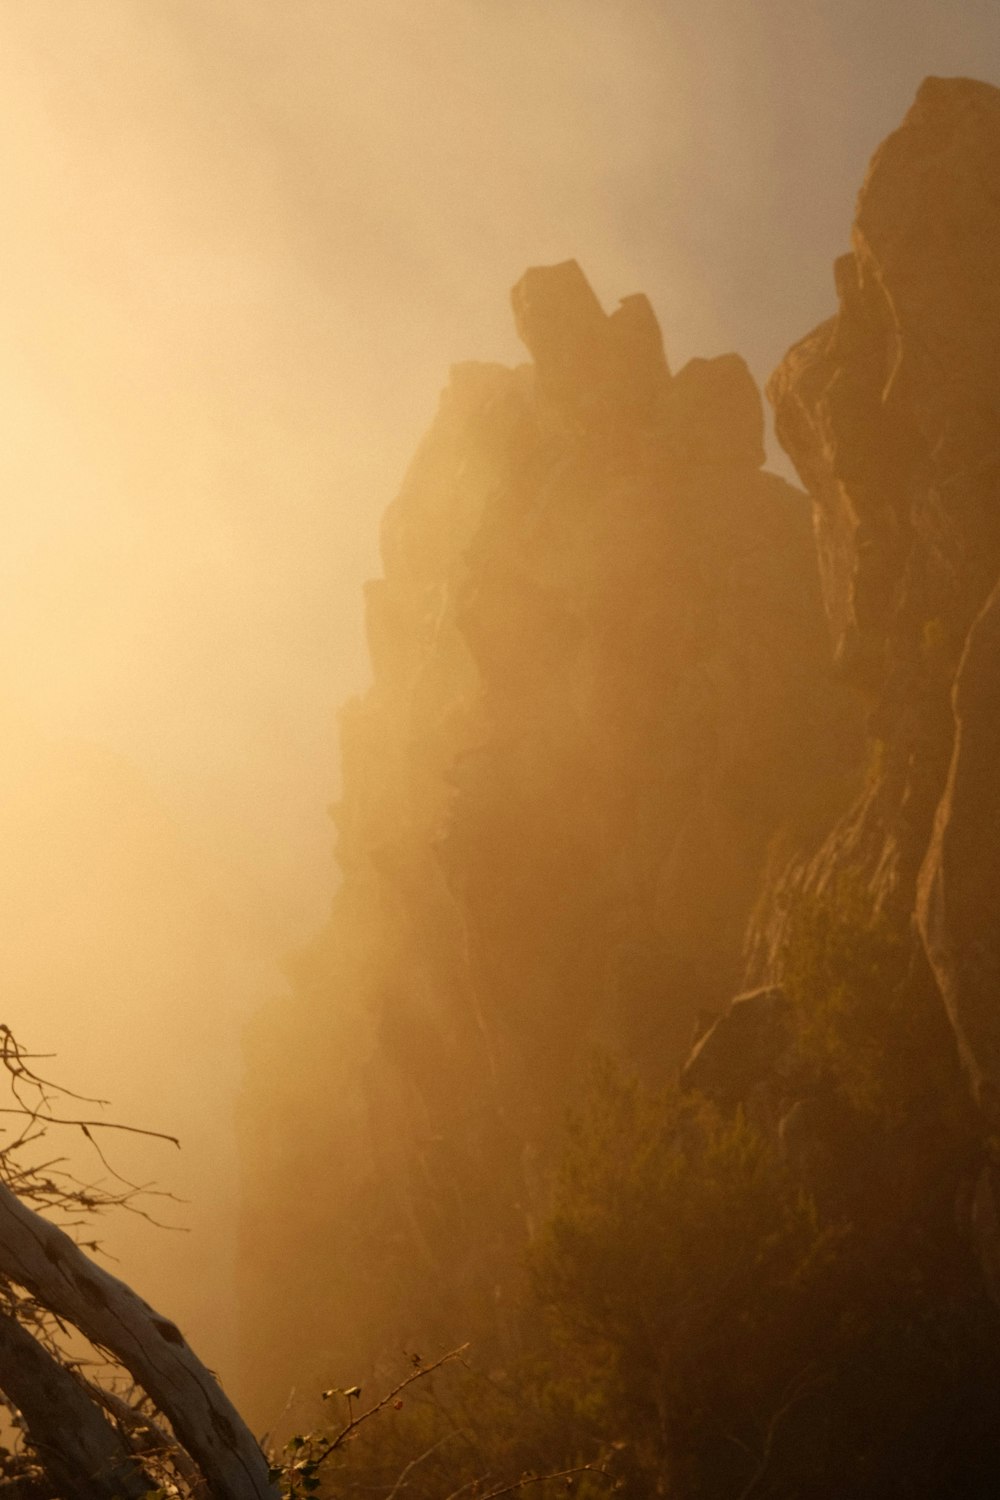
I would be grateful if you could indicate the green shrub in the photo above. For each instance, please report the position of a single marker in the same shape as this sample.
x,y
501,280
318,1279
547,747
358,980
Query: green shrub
x,y
692,1321
673,1268
864,1025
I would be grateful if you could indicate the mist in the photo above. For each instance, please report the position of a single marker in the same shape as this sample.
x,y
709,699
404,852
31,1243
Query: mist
x,y
244,244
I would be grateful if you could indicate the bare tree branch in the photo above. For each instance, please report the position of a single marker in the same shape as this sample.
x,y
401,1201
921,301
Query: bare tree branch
x,y
529,1479
88,1125
149,1438
81,1451
414,1463
796,1391
40,1256
419,1373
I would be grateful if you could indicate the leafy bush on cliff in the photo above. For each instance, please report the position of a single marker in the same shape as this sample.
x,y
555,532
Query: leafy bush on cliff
x,y
677,1261
866,1024
707,1319
675,1264
743,1340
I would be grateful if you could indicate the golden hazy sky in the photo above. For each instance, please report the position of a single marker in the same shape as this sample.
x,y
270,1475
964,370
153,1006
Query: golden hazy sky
x,y
245,240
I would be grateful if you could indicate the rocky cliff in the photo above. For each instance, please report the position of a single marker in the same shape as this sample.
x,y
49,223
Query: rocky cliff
x,y
891,413
602,707
610,772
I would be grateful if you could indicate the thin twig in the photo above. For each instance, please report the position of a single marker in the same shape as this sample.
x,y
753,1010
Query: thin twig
x,y
417,1374
84,1125
470,1484
795,1391
526,1479
414,1462
14,1059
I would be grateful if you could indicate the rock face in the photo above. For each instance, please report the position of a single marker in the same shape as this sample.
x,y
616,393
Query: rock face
x,y
891,412
746,1043
959,894
890,409
604,728
600,693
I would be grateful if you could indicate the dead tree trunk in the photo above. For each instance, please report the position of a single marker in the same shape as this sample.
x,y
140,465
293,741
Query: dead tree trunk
x,y
40,1257
82,1453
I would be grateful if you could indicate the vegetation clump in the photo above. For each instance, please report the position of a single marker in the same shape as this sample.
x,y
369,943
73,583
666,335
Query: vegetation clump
x,y
716,1309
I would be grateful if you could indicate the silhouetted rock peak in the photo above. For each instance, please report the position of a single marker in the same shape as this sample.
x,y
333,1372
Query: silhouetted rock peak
x,y
601,371
598,690
581,355
715,414
946,105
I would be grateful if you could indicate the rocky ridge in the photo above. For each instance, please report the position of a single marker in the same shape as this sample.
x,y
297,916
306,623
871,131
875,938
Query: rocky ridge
x,y
608,724
601,700
891,413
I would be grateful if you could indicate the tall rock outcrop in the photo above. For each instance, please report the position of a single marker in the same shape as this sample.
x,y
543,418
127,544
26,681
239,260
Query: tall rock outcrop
x,y
866,1050
891,413
600,700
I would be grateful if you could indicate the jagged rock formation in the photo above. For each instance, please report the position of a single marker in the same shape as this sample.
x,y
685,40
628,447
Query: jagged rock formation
x,y
868,1052
891,413
601,698
601,732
